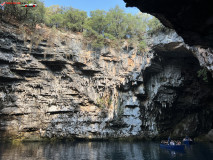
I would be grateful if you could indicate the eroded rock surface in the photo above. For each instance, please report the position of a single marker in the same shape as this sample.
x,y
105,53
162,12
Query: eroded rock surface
x,y
67,89
177,102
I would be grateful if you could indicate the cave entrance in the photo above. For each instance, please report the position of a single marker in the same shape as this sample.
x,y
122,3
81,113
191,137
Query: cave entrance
x,y
180,99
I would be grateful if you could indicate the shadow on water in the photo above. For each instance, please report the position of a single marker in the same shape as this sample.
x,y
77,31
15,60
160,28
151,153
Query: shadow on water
x,y
101,150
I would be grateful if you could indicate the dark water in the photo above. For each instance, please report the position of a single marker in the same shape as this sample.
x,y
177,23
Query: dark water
x,y
101,151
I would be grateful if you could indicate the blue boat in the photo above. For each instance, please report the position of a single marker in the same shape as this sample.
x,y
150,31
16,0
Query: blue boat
x,y
188,142
172,147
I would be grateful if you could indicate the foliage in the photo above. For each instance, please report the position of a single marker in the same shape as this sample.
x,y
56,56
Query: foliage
x,y
203,73
74,19
98,42
137,25
28,15
54,16
97,21
116,25
120,112
155,26
68,18
109,36
142,46
101,28
104,102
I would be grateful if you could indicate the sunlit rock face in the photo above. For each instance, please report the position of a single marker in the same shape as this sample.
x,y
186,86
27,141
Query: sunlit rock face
x,y
191,19
66,89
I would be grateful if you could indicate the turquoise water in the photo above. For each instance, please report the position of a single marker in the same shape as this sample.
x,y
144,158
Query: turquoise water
x,y
102,151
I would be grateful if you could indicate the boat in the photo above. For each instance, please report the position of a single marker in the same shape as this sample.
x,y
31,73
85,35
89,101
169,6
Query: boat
x,y
172,147
188,142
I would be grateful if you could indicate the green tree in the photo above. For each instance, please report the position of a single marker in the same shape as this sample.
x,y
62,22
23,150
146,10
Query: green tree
x,y
97,21
75,19
98,42
154,26
117,22
203,73
54,16
26,14
37,14
137,25
142,46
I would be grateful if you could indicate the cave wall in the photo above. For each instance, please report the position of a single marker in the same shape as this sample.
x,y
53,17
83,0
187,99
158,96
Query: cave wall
x,y
175,100
178,101
193,21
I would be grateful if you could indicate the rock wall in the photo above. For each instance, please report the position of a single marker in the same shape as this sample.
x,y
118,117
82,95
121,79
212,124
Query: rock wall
x,y
173,99
62,87
178,102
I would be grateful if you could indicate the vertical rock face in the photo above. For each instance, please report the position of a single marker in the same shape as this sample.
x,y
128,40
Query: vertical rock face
x,y
178,102
174,100
67,89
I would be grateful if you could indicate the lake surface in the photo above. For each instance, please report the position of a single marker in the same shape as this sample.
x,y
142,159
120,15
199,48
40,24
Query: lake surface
x,y
101,151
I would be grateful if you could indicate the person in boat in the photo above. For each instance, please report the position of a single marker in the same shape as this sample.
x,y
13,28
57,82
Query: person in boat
x,y
178,142
169,140
187,139
172,142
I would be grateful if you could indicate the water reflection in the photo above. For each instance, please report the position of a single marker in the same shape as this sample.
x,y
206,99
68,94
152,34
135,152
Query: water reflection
x,y
100,151
171,154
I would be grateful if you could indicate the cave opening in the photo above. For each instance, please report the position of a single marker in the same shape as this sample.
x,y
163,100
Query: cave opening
x,y
180,100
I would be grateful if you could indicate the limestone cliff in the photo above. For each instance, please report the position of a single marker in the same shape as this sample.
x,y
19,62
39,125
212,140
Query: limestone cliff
x,y
192,20
62,87
177,102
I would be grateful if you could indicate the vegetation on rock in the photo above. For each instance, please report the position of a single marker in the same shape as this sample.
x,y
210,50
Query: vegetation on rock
x,y
104,102
203,73
29,15
101,27
155,26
